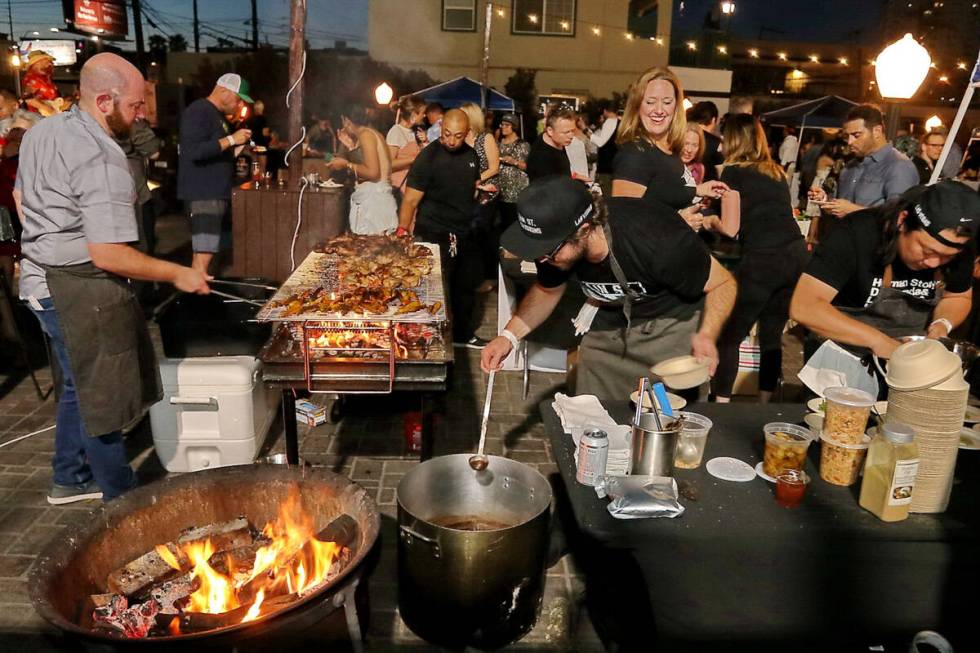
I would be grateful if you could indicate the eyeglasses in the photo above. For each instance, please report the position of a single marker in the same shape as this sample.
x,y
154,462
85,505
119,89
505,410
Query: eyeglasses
x,y
555,251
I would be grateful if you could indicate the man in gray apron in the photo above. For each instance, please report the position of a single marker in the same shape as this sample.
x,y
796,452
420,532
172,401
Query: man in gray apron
x,y
75,197
886,272
655,289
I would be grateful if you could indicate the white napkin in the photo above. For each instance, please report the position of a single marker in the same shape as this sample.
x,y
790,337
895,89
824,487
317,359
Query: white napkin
x,y
585,411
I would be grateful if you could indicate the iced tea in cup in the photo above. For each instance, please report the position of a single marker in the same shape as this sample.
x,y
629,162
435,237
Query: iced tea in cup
x,y
691,441
786,446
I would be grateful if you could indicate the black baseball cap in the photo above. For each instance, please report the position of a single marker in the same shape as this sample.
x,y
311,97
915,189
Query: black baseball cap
x,y
510,118
549,212
948,205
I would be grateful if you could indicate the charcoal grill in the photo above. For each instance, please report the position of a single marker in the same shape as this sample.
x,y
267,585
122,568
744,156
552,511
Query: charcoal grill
x,y
293,360
70,569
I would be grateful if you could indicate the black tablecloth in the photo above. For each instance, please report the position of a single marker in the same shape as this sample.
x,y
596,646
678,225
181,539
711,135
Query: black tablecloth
x,y
736,568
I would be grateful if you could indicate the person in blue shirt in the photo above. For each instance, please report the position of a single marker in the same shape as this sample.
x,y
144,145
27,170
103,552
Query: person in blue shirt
x,y
878,173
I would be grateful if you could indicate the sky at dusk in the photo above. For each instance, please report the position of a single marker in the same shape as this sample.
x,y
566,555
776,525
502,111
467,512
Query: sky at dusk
x,y
806,20
327,20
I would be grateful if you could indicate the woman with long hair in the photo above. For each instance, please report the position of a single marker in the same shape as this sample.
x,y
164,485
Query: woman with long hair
x,y
402,140
693,151
372,204
483,142
651,137
757,211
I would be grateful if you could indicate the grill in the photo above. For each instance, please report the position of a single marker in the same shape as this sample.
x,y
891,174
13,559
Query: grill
x,y
360,315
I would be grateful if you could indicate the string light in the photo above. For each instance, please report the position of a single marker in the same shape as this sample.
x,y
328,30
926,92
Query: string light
x,y
961,65
564,25
722,49
660,40
943,78
814,58
500,12
843,61
692,46
754,53
781,55
596,31
629,36
533,18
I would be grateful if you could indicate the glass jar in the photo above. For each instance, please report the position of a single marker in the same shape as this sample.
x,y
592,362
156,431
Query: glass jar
x,y
889,472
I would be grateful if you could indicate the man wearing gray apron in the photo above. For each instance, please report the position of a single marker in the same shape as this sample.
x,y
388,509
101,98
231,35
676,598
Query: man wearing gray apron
x,y
655,289
75,197
900,269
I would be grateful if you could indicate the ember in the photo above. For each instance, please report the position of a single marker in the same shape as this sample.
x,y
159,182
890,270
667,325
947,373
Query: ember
x,y
220,576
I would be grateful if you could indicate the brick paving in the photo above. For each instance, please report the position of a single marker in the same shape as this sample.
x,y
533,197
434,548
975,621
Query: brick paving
x,y
366,445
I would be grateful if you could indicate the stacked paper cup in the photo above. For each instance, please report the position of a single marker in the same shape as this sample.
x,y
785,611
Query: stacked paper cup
x,y
927,392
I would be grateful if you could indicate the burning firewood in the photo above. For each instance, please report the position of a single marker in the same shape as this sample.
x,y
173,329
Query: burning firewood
x,y
167,560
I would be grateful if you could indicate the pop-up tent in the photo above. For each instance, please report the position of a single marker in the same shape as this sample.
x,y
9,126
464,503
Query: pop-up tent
x,y
462,90
828,111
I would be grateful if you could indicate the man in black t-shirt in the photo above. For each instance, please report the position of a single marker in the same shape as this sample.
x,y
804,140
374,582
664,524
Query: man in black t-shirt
x,y
645,270
438,207
895,270
547,155
705,113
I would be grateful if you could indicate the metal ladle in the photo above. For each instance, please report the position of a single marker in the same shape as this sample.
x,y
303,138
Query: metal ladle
x,y
479,461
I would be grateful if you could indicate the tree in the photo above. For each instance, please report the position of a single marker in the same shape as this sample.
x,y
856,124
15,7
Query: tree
x,y
521,88
158,47
177,43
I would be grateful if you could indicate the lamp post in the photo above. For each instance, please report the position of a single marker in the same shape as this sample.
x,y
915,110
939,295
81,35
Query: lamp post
x,y
899,70
383,94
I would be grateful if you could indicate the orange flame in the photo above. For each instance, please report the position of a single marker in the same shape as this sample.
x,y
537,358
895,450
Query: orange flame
x,y
293,562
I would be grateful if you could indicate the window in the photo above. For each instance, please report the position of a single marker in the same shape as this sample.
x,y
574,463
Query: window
x,y
544,17
459,15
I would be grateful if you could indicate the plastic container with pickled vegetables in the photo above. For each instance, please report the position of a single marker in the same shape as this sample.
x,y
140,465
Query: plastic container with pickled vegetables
x,y
840,462
786,446
846,415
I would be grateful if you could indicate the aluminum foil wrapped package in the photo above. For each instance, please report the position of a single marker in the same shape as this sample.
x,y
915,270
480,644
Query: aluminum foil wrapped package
x,y
636,497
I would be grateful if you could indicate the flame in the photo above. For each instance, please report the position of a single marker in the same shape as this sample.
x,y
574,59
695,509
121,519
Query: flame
x,y
167,555
174,628
255,610
293,562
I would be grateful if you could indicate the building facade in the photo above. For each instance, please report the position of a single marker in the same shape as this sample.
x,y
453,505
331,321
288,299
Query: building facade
x,y
579,48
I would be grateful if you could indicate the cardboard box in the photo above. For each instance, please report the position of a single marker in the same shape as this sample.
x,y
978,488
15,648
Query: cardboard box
x,y
310,413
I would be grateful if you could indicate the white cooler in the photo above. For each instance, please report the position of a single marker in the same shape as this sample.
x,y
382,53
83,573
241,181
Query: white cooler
x,y
215,412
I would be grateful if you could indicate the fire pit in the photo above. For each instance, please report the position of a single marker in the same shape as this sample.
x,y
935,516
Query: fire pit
x,y
163,516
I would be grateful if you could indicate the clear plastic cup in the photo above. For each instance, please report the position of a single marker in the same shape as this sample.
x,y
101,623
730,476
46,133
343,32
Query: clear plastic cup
x,y
786,446
692,439
790,487
847,414
840,462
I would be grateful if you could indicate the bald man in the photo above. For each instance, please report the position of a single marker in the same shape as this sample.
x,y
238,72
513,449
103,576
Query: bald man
x,y
439,206
74,195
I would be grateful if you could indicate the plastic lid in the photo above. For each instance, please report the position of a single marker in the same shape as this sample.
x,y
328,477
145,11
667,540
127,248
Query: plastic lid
x,y
849,397
898,433
865,441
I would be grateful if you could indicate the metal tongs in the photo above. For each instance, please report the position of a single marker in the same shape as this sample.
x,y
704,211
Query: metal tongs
x,y
237,298
658,396
242,283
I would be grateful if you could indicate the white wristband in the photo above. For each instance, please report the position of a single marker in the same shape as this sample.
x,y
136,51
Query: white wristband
x,y
514,341
231,140
946,323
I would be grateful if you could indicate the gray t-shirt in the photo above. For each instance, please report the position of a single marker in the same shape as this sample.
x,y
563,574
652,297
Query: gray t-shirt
x,y
76,189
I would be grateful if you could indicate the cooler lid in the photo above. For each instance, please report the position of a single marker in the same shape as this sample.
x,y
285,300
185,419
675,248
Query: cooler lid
x,y
227,372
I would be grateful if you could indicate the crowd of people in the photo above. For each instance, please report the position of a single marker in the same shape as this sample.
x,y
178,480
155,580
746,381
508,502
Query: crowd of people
x,y
626,209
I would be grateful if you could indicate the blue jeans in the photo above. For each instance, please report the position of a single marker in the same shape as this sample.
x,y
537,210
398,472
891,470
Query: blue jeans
x,y
78,457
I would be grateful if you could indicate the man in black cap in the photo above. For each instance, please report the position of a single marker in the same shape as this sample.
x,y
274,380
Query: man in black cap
x,y
653,290
903,268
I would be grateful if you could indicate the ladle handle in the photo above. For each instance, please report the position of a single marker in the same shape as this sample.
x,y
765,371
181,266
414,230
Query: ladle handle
x,y
486,413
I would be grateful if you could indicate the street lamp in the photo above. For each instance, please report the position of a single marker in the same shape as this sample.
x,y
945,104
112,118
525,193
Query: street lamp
x,y
728,8
383,93
899,70
933,123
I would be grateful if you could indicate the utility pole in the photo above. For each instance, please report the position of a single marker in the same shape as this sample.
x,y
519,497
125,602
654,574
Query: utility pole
x,y
197,31
255,25
138,28
485,64
297,32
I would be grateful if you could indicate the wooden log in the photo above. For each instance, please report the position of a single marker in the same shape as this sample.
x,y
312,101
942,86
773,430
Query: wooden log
x,y
150,569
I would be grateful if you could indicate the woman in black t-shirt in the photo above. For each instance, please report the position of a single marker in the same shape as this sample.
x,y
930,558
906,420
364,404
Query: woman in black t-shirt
x,y
758,212
651,136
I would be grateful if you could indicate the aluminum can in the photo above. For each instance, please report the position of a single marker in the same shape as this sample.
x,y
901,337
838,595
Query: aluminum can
x,y
593,452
